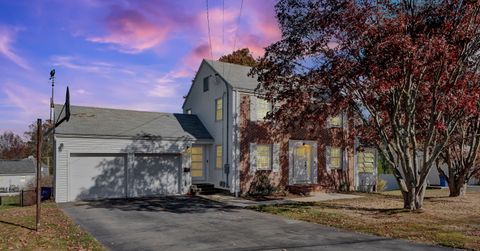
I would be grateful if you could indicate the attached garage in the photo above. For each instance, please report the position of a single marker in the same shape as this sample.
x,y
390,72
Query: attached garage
x,y
155,174
97,176
108,153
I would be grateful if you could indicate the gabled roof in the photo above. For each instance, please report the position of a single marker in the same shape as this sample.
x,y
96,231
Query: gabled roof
x,y
235,75
92,121
11,167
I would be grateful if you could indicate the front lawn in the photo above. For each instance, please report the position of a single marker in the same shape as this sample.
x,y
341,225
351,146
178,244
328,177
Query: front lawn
x,y
58,232
452,222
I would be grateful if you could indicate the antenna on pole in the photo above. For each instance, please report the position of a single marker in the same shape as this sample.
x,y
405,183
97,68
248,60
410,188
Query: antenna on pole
x,y
52,122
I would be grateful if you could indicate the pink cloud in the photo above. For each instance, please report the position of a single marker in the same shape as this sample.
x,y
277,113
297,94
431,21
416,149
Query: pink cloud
x,y
132,32
7,37
256,29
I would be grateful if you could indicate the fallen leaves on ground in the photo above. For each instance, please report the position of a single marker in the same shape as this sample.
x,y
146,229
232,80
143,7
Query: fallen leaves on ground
x,y
452,222
57,231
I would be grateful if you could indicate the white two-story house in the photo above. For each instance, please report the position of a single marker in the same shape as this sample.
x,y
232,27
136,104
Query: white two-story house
x,y
223,97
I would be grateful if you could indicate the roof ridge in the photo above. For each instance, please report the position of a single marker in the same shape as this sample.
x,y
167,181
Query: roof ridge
x,y
221,62
115,109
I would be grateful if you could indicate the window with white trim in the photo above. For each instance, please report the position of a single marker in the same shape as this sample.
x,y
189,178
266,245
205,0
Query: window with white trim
x,y
263,107
264,157
336,121
205,84
366,161
335,158
219,156
218,109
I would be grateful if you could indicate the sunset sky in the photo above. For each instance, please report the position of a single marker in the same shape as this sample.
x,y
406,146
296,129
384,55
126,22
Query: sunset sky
x,y
131,54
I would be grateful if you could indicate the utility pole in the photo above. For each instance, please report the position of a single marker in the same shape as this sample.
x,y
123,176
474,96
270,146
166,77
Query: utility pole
x,y
39,153
52,123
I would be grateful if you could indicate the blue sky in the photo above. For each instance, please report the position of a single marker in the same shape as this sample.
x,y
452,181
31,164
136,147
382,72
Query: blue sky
x,y
131,54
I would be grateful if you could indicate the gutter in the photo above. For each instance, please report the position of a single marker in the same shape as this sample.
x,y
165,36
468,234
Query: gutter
x,y
189,139
226,165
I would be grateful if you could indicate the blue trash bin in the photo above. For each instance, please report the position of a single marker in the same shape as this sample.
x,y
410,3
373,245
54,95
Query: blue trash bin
x,y
443,181
46,193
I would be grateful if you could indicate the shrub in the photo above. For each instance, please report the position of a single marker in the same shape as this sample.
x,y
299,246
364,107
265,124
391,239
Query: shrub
x,y
381,185
261,186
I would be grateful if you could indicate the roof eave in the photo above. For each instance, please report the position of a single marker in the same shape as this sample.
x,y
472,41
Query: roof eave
x,y
186,139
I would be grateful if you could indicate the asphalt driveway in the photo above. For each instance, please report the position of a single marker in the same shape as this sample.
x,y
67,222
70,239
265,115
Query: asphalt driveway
x,y
191,223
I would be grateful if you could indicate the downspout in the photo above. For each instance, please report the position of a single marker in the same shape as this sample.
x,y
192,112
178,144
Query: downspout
x,y
237,109
226,166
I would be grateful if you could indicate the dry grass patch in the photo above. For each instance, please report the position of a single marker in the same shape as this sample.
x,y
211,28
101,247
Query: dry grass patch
x,y
452,222
58,232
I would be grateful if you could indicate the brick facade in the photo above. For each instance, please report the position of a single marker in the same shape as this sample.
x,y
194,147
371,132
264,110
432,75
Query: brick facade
x,y
256,132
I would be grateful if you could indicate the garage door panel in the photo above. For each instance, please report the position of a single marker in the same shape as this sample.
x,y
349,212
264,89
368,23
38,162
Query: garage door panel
x,y
97,176
155,175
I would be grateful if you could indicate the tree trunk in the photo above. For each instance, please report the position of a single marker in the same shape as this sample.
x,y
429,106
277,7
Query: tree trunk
x,y
457,187
413,198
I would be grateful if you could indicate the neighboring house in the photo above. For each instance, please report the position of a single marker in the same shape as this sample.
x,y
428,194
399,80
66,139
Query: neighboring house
x,y
15,174
434,178
111,153
221,139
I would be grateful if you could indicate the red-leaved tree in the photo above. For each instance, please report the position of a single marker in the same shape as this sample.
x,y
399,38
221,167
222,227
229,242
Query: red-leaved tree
x,y
408,70
461,156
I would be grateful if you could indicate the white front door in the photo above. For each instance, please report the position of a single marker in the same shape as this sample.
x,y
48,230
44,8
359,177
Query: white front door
x,y
198,163
303,168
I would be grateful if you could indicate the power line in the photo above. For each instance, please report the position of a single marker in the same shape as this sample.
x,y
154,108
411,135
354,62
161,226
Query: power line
x,y
238,26
209,35
236,34
223,23
223,33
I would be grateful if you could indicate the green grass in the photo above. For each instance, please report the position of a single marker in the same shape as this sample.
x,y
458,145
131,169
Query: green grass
x,y
10,200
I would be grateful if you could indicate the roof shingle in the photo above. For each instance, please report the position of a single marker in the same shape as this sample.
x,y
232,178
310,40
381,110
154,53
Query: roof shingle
x,y
92,121
236,75
23,166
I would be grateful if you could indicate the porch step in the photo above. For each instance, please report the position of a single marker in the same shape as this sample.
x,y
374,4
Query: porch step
x,y
304,189
204,189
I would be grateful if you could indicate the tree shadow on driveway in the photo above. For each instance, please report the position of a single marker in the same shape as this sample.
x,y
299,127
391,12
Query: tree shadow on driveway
x,y
172,204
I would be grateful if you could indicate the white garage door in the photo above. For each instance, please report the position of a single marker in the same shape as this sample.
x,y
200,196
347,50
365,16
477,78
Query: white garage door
x,y
101,176
155,174
96,176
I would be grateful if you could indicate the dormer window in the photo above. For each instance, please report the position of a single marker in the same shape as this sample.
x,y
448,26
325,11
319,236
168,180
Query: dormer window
x,y
205,84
